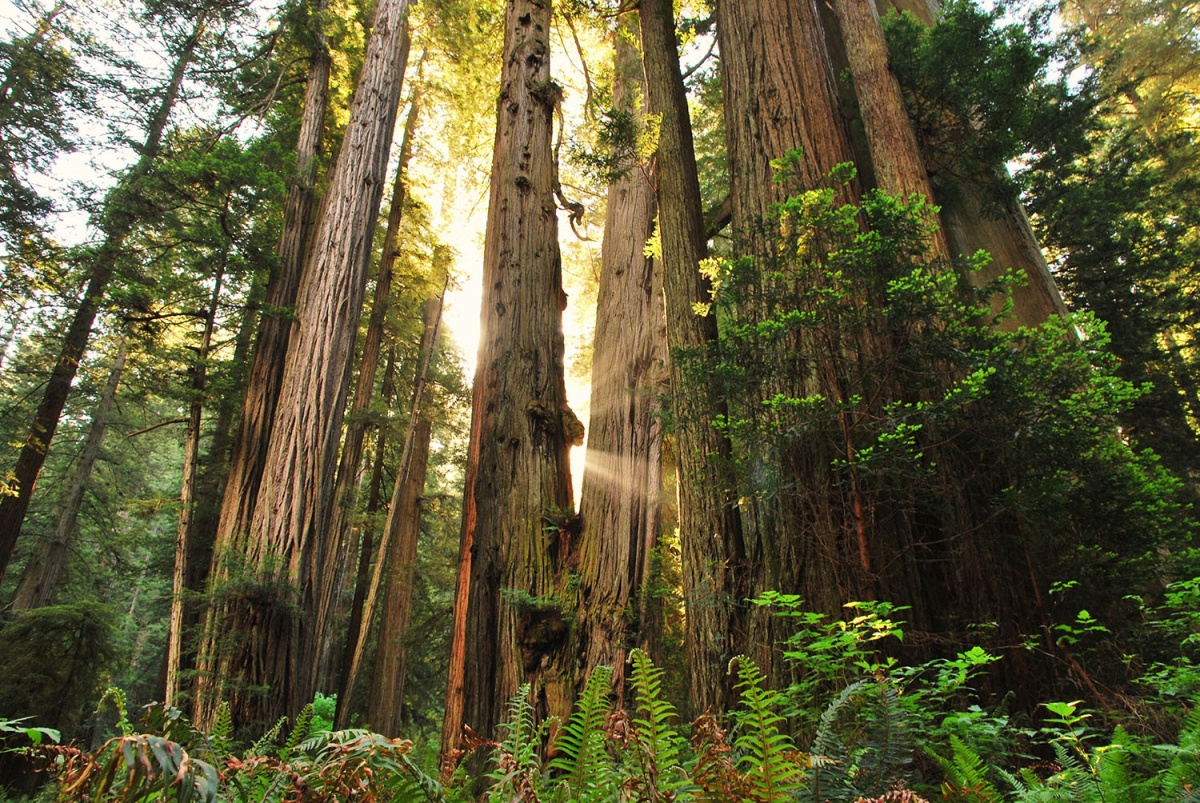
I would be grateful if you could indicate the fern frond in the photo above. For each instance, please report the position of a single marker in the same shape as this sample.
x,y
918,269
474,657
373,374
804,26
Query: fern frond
x,y
769,756
885,747
580,747
966,775
300,731
222,729
656,747
829,757
267,741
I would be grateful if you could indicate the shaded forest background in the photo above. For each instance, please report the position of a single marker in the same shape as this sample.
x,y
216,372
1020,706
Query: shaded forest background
x,y
885,304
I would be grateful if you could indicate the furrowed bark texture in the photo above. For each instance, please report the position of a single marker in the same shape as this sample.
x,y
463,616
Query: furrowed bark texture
x,y
896,160
40,580
622,479
269,612
518,483
345,493
385,705
121,214
710,533
275,327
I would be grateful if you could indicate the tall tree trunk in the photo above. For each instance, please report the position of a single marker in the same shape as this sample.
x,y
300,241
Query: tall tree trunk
x,y
896,160
184,548
121,213
710,533
272,626
345,493
275,326
518,484
398,555
622,479
40,580
780,95
366,549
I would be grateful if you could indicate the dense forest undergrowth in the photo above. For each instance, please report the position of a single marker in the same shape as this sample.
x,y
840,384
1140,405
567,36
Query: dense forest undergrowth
x,y
888,313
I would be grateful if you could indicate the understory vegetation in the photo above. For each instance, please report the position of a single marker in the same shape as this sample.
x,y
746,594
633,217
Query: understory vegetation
x,y
860,726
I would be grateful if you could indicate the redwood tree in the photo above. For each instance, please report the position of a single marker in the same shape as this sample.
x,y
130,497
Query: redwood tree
x,y
715,576
620,502
259,647
517,528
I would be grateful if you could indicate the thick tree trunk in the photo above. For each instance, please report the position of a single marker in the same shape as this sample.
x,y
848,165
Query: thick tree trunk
x,y
184,548
398,558
710,533
121,214
275,326
622,480
40,580
517,499
345,493
270,621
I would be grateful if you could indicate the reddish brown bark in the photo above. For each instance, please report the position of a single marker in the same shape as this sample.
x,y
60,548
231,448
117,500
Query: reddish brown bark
x,y
398,558
267,669
271,347
518,484
620,502
340,544
896,160
710,532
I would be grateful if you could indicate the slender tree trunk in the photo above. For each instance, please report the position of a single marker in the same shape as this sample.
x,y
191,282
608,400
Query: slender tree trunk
x,y
272,628
398,556
898,166
275,327
187,497
366,549
622,480
345,493
119,218
517,498
710,533
40,580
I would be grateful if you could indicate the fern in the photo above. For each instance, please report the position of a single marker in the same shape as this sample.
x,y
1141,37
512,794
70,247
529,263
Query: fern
x,y
517,770
966,775
1181,781
885,745
222,730
580,747
265,743
655,746
300,731
830,779
768,759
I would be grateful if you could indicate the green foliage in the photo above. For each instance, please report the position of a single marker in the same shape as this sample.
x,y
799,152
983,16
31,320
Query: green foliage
x,y
768,757
978,93
53,661
579,748
656,749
